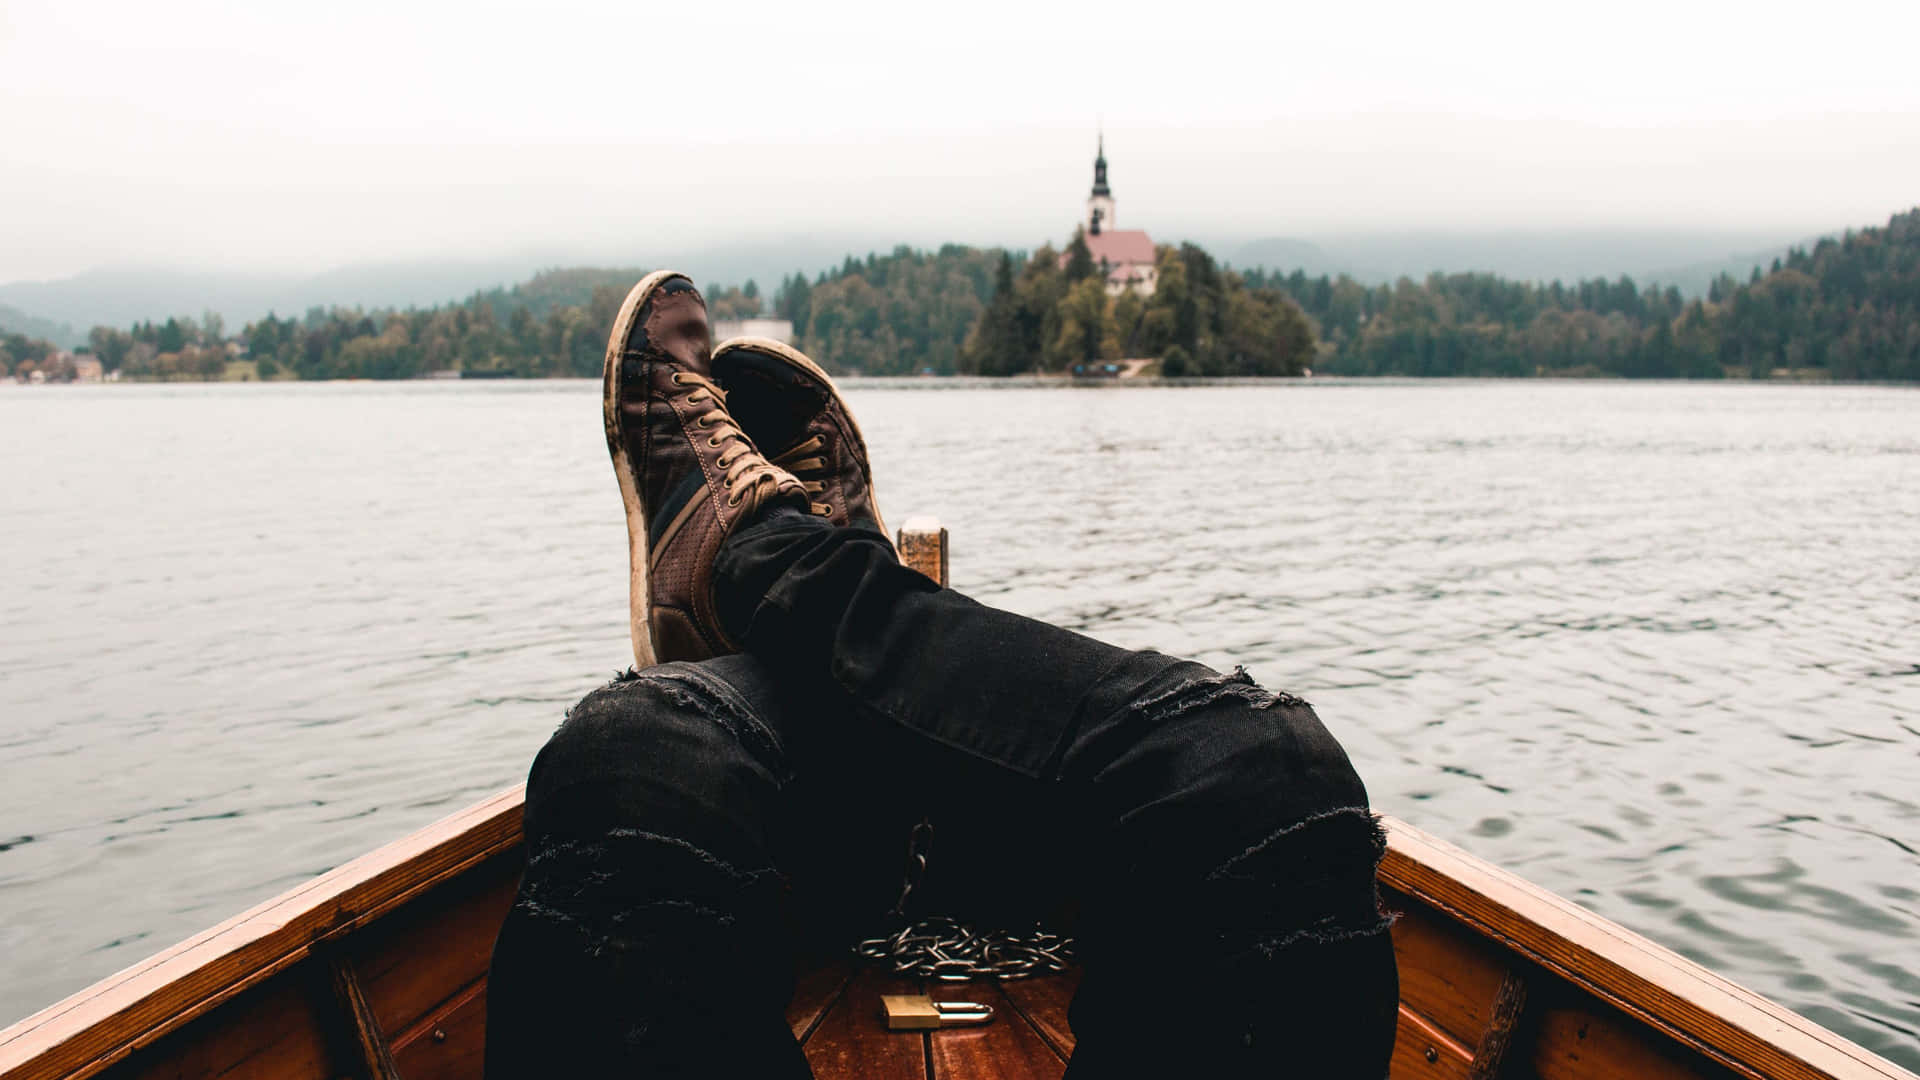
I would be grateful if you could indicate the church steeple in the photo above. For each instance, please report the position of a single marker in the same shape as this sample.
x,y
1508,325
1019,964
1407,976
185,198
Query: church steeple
x,y
1100,212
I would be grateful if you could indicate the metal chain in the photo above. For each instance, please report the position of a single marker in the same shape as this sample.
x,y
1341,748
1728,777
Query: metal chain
x,y
951,951
947,949
919,850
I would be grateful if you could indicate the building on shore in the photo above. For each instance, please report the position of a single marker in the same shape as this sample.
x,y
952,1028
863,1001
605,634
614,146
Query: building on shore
x,y
780,330
1125,256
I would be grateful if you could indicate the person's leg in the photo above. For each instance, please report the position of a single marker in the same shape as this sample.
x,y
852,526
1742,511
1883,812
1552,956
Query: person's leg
x,y
668,822
1194,811
1221,841
1231,904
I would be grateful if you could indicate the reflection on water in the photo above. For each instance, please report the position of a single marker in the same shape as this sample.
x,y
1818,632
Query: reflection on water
x,y
1654,647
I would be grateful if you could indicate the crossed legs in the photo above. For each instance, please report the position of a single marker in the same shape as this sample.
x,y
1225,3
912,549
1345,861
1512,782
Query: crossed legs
x,y
689,824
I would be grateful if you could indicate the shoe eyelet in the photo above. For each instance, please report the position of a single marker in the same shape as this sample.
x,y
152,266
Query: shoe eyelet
x,y
677,381
713,443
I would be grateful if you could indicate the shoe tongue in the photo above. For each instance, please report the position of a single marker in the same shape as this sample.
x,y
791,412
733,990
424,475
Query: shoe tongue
x,y
774,418
677,325
768,405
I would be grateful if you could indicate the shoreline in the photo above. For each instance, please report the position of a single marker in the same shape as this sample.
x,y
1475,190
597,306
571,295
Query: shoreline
x,y
1036,381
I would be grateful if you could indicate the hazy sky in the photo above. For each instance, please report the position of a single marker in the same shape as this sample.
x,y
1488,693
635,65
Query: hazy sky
x,y
303,135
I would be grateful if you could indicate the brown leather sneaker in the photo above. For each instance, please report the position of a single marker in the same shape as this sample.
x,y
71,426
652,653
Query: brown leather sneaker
x,y
688,475
790,407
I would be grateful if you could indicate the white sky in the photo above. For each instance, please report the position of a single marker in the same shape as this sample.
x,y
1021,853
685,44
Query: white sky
x,y
302,135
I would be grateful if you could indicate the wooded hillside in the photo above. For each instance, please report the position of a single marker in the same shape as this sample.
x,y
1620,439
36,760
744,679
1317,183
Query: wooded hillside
x,y
1849,308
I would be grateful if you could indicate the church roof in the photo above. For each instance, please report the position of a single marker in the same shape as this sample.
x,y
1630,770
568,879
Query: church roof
x,y
1117,247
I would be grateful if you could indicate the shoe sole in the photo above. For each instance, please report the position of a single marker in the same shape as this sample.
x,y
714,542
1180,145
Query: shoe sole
x,y
798,359
640,627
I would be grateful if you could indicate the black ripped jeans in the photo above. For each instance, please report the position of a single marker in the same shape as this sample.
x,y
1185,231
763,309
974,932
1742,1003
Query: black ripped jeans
x,y
691,826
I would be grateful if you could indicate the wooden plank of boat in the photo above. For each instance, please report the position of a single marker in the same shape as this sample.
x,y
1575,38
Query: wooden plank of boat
x,y
1009,1048
1711,1015
377,968
1043,1004
816,992
852,1044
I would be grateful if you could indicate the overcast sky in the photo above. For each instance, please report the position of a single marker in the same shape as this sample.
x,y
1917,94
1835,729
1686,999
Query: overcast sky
x,y
305,135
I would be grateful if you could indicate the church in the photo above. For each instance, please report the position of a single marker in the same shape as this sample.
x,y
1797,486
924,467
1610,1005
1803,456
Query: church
x,y
1125,256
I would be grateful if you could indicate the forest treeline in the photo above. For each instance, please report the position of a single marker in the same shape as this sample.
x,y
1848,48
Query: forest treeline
x,y
554,324
22,354
1847,308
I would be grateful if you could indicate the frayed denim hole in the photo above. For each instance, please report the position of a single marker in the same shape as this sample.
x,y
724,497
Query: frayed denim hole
x,y
695,695
1313,881
1202,692
587,856
620,678
1374,834
632,886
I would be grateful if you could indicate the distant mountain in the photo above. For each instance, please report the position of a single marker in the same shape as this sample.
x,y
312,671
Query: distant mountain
x,y
1688,259
1289,254
122,296
1694,279
565,287
15,321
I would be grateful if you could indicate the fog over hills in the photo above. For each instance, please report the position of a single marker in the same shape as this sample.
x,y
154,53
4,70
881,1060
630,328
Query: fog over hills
x,y
1687,260
15,321
220,144
122,296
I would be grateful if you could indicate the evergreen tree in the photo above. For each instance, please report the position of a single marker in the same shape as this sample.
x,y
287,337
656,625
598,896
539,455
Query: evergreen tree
x,y
1080,265
997,345
1082,332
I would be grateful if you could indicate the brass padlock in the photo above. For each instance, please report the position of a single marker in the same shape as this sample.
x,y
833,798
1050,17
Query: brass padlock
x,y
918,1012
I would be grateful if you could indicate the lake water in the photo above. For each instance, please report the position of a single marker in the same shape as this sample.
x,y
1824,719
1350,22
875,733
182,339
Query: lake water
x,y
1655,647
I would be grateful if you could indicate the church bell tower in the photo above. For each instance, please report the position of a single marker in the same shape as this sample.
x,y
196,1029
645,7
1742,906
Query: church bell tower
x,y
1100,213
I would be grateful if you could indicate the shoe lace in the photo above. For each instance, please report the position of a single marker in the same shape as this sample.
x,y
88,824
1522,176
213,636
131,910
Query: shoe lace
x,y
745,472
808,463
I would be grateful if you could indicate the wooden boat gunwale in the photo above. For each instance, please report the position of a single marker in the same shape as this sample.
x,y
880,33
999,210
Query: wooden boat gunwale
x,y
104,1023
1717,1017
1536,930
